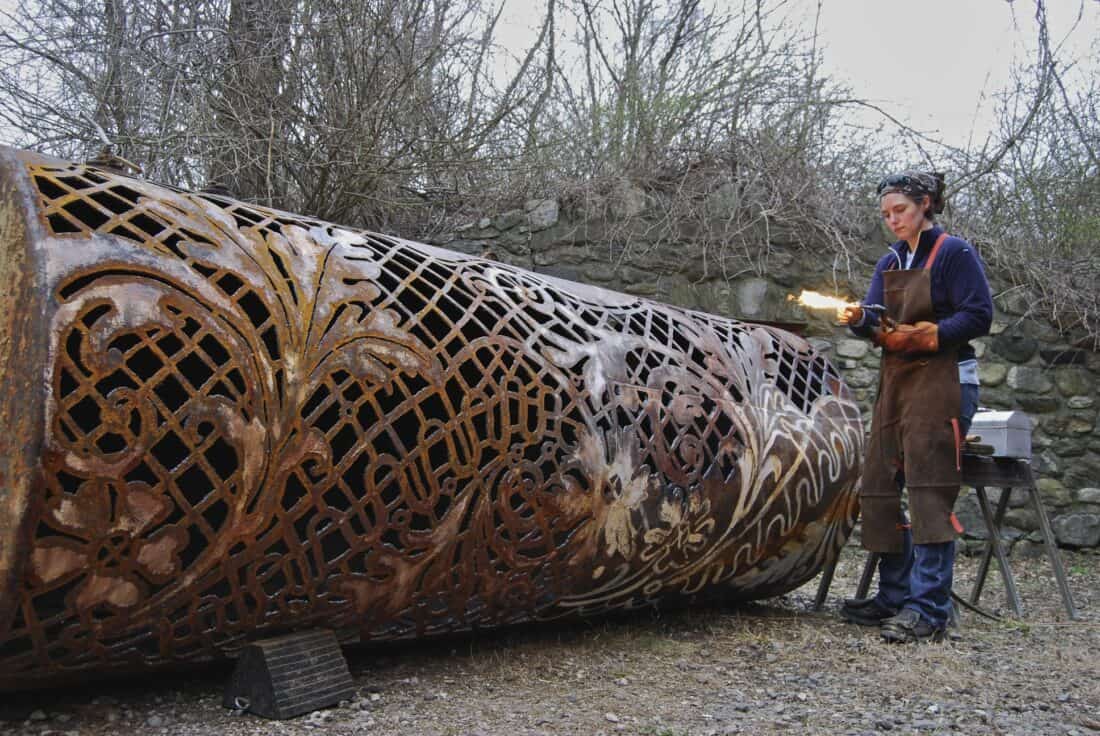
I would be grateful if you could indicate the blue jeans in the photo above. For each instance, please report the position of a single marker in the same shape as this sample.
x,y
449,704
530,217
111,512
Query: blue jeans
x,y
920,577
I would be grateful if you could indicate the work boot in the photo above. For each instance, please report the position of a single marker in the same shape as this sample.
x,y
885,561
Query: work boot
x,y
865,611
908,627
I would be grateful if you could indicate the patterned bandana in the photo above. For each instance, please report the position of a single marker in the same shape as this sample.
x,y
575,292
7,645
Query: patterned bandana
x,y
915,184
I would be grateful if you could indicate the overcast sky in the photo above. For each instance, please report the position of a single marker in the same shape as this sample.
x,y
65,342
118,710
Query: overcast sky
x,y
970,46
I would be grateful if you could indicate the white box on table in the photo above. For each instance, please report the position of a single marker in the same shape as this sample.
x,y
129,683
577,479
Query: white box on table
x,y
1008,432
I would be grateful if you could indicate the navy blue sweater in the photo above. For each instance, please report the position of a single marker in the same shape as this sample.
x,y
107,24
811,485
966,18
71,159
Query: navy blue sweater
x,y
960,292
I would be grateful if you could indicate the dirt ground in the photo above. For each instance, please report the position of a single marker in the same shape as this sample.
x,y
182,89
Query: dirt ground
x,y
772,667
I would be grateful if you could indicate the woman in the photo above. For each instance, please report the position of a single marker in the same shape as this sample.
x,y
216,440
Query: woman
x,y
937,299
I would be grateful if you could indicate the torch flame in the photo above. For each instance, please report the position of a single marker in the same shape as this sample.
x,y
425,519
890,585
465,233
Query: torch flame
x,y
815,300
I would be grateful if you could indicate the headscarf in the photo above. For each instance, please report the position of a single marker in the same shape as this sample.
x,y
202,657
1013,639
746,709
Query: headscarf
x,y
915,184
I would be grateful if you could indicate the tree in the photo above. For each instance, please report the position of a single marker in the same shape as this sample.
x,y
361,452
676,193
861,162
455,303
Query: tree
x,y
352,111
1029,196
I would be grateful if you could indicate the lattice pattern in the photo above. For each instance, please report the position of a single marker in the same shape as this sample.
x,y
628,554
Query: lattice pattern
x,y
258,422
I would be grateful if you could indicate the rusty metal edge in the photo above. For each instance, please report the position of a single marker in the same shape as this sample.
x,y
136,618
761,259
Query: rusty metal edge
x,y
23,303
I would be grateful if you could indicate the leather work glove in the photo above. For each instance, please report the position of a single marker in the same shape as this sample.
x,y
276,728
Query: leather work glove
x,y
850,315
923,337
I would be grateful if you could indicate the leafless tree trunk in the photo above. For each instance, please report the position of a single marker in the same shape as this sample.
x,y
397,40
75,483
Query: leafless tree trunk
x,y
249,101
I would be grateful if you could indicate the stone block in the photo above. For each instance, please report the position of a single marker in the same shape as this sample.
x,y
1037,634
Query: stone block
x,y
1054,424
1089,495
626,201
601,271
515,243
1017,498
1038,403
992,374
1014,301
569,273
1015,346
1040,440
1053,493
723,201
752,297
681,293
541,258
1092,361
1067,447
860,378
996,397
648,289
560,252
1079,426
469,247
1025,519
968,547
873,359
855,349
1025,549
780,259
1081,472
1029,379
1074,381
508,220
1081,402
631,275
1077,529
1064,355
542,213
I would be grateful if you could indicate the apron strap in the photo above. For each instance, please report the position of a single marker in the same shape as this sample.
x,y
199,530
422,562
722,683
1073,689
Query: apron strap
x,y
935,250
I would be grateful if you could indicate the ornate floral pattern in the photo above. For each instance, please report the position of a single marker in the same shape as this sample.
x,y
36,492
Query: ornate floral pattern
x,y
107,541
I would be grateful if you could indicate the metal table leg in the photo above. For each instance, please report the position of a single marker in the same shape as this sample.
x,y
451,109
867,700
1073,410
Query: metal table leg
x,y
998,549
1052,551
869,568
825,583
987,554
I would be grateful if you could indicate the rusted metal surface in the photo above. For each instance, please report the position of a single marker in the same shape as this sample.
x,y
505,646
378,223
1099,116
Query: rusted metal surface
x,y
254,422
22,343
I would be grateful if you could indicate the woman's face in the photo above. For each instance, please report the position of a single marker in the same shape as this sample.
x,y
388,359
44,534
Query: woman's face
x,y
903,216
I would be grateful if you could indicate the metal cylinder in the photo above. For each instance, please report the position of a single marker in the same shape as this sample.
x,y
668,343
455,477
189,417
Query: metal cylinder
x,y
225,422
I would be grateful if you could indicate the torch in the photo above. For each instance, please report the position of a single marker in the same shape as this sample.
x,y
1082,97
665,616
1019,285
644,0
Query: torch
x,y
817,300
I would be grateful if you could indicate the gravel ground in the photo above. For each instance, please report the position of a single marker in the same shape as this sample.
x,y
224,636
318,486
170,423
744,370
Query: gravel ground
x,y
772,667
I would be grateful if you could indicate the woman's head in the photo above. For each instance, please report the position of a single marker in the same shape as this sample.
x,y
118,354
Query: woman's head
x,y
909,199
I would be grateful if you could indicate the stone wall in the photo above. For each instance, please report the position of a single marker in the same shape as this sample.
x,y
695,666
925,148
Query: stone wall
x,y
1025,364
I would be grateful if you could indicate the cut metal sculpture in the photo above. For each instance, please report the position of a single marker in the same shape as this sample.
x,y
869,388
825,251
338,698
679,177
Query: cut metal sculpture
x,y
223,422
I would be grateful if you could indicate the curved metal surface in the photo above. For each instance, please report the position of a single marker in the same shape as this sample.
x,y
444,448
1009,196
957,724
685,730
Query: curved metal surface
x,y
251,421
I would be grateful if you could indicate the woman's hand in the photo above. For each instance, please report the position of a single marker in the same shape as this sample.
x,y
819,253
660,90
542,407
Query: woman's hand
x,y
850,315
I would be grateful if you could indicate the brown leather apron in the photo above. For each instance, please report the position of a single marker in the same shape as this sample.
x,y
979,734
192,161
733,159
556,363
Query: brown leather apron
x,y
913,428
